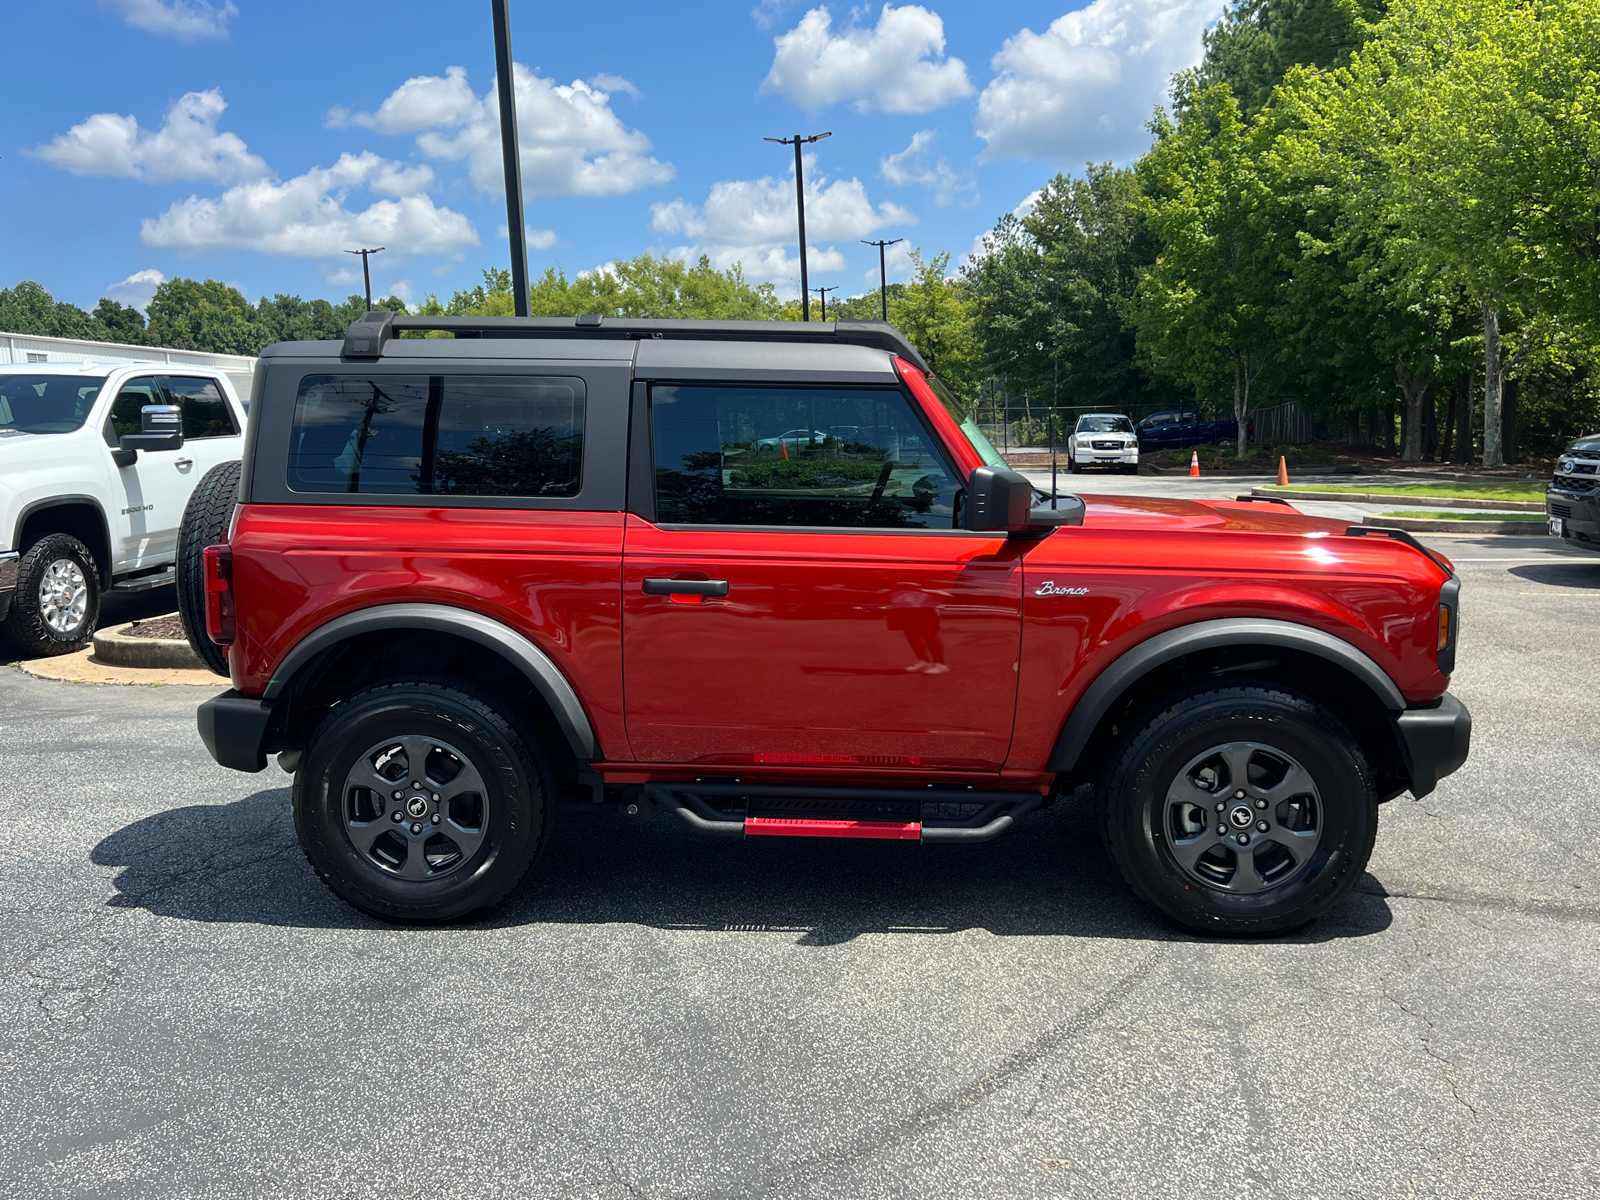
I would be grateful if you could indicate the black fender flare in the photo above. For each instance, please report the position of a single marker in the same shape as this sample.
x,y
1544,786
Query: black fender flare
x,y
533,662
72,500
1156,651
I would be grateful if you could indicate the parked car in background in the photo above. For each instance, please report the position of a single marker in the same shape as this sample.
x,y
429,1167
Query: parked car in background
x,y
1103,440
793,438
1572,501
97,463
1178,429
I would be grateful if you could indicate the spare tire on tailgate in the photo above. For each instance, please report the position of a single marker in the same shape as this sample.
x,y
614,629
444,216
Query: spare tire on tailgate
x,y
205,523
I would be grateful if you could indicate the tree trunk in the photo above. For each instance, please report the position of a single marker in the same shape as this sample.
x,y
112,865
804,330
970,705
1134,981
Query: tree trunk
x,y
1493,455
1241,402
1450,406
1464,419
1430,429
1509,394
1411,421
1355,427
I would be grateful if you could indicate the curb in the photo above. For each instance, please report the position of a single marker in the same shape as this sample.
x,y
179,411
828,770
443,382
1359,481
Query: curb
x,y
113,648
84,667
1403,501
1419,525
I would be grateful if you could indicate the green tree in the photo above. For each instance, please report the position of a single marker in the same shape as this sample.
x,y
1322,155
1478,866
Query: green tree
x,y
121,322
1256,43
931,312
1203,312
29,308
191,315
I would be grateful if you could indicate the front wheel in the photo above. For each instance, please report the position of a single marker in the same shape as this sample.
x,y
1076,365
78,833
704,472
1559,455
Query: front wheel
x,y
421,802
1241,811
57,602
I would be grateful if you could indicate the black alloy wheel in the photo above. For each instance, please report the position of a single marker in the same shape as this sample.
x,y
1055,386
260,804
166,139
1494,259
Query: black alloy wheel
x,y
1240,810
57,602
421,801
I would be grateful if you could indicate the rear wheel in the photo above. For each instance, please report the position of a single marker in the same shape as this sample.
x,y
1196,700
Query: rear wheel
x,y
1242,810
57,602
205,523
419,801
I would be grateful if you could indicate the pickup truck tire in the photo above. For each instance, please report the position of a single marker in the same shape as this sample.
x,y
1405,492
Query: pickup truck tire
x,y
1239,811
57,602
433,842
205,523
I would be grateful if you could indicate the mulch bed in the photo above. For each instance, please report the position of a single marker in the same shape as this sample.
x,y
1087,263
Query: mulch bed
x,y
170,627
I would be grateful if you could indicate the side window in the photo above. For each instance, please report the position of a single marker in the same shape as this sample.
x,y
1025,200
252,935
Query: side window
x,y
205,412
797,456
488,435
124,416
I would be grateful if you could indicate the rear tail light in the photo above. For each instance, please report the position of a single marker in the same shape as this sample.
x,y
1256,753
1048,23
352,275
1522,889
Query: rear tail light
x,y
1449,628
219,595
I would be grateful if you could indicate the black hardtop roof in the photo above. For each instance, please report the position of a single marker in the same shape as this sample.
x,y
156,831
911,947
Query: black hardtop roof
x,y
369,334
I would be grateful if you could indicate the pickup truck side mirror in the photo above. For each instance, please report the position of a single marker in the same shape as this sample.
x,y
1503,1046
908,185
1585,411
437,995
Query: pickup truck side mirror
x,y
161,428
1001,501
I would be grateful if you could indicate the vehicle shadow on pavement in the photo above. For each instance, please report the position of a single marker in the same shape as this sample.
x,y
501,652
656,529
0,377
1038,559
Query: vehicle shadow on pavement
x,y
1572,575
240,862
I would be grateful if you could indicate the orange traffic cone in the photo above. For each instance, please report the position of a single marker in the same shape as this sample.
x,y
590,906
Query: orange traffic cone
x,y
783,445
1194,464
1283,471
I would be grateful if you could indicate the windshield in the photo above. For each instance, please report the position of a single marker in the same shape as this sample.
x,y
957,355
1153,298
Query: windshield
x,y
46,403
1105,425
969,424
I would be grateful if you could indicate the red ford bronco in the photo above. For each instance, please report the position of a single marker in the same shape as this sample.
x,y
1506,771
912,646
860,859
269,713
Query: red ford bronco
x,y
772,579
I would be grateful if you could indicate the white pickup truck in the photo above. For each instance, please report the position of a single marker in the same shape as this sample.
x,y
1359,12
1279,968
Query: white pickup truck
x,y
97,462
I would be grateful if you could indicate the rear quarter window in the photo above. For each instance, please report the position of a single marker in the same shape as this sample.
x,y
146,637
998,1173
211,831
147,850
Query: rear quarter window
x,y
442,435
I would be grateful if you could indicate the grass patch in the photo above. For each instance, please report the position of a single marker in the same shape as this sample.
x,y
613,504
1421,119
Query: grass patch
x,y
1440,491
1220,458
1422,514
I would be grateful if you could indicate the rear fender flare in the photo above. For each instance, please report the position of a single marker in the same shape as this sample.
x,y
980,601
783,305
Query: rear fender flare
x,y
1163,648
533,662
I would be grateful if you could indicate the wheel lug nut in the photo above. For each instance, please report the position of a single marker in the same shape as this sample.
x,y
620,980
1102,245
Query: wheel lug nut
x,y
1222,830
396,795
1243,839
417,828
1261,803
1262,826
415,784
435,818
436,797
1220,807
1239,795
398,815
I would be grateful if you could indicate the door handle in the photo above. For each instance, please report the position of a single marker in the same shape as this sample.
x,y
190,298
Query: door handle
x,y
685,587
183,462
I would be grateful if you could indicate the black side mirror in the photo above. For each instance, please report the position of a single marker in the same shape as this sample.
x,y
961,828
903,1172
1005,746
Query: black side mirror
x,y
998,500
161,428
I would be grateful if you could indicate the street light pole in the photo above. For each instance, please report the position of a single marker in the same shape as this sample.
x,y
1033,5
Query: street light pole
x,y
800,203
883,274
823,293
516,224
366,275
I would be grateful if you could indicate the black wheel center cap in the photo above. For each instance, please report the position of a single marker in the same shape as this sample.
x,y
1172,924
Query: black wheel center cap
x,y
1240,816
417,806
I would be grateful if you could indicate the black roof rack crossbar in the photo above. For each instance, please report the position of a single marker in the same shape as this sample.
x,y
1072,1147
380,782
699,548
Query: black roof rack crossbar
x,y
368,334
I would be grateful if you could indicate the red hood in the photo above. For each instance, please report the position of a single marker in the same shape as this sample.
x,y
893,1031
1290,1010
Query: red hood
x,y
1162,512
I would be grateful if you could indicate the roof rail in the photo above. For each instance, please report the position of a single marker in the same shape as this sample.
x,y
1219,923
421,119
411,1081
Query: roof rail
x,y
369,333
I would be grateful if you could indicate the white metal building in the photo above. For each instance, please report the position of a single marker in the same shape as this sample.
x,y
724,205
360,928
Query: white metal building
x,y
22,348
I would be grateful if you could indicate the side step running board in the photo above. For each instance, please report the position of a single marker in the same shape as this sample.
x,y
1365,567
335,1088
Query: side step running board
x,y
143,583
997,811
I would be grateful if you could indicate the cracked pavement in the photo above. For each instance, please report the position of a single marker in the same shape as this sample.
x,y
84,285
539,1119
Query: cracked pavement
x,y
185,1010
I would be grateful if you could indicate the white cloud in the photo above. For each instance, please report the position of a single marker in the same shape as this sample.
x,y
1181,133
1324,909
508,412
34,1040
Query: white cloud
x,y
608,82
916,165
306,216
187,146
1027,204
767,13
752,221
402,289
137,289
572,143
538,239
897,66
186,20
896,260
1084,88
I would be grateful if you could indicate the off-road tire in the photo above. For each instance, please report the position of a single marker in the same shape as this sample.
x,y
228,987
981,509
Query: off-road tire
x,y
519,787
205,523
25,626
1133,800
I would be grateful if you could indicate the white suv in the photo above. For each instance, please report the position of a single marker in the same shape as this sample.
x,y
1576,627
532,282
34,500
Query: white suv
x,y
1103,440
97,462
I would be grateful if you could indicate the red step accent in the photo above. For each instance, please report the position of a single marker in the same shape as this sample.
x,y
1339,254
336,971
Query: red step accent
x,y
900,831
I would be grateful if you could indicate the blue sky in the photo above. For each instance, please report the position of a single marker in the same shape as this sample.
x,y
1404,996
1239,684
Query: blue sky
x,y
254,140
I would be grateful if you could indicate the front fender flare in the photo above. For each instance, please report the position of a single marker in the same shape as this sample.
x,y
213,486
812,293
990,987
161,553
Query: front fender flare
x,y
533,662
1209,635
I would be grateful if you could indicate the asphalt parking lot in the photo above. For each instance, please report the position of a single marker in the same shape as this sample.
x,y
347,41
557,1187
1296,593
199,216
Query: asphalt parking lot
x,y
187,1011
